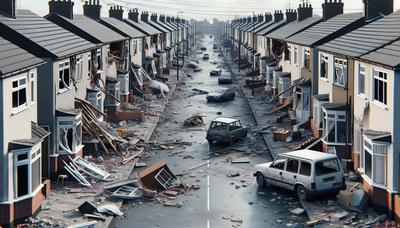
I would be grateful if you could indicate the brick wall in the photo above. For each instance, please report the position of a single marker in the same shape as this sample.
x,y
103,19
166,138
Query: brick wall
x,y
7,214
59,169
378,197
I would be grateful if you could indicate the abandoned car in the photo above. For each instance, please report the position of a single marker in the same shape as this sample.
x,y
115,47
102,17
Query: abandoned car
x,y
206,56
204,49
306,172
225,79
226,130
216,73
225,94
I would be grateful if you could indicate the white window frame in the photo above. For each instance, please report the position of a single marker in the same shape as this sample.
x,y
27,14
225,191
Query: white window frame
x,y
33,154
32,85
70,122
62,66
370,150
296,55
361,73
89,66
79,68
340,65
19,87
115,87
324,58
289,48
307,55
99,60
376,76
326,119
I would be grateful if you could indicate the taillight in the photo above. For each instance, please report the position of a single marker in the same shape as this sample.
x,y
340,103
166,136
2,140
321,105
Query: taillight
x,y
313,185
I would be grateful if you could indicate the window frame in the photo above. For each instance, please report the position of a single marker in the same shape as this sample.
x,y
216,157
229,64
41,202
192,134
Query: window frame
x,y
324,58
79,68
370,150
23,106
364,74
327,117
307,56
385,83
342,64
296,55
70,122
62,67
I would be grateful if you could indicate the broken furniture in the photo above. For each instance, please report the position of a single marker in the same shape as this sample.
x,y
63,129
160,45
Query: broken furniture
x,y
61,178
126,192
110,209
158,177
281,134
90,168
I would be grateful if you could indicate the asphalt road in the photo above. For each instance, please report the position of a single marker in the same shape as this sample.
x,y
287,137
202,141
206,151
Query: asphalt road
x,y
219,196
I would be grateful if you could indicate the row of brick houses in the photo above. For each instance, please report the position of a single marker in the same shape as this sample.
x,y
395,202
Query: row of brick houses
x,y
46,63
341,73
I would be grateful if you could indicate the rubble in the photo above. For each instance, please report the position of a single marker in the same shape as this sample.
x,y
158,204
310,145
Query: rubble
x,y
297,211
359,201
192,121
110,209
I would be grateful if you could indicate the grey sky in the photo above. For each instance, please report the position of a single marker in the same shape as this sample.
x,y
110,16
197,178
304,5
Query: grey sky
x,y
222,9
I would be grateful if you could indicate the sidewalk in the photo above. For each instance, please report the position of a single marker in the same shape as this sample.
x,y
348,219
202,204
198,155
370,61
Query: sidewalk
x,y
66,198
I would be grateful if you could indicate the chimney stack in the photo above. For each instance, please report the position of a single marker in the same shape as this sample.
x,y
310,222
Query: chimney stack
x,y
63,8
278,15
8,8
92,9
260,18
154,17
162,18
268,17
168,19
134,15
373,8
331,8
144,16
304,11
255,19
116,12
291,15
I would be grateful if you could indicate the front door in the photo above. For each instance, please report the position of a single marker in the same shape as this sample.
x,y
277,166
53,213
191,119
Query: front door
x,y
277,172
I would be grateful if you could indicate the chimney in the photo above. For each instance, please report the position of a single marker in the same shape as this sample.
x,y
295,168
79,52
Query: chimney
x,y
254,19
278,16
162,18
304,11
116,12
172,19
134,15
291,15
373,8
8,8
154,17
92,9
248,19
268,17
63,8
144,16
260,18
331,8
168,19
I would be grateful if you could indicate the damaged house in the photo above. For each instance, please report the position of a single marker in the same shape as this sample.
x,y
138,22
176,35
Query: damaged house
x,y
58,81
373,70
108,66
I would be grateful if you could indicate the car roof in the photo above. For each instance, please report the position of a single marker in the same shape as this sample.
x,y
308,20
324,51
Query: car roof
x,y
310,155
225,120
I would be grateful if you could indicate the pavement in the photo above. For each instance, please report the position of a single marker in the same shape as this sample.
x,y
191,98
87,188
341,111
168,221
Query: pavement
x,y
221,201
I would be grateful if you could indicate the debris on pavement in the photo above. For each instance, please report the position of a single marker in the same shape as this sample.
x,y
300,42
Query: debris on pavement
x,y
126,192
87,208
359,201
297,211
158,177
193,121
90,224
110,209
200,91
240,160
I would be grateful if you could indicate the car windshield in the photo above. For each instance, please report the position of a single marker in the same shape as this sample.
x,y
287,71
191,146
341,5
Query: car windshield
x,y
218,126
327,167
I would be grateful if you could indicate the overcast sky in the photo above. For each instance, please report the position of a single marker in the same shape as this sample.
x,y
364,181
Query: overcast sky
x,y
222,9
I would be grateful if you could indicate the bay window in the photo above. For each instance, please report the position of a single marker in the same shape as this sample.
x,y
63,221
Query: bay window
x,y
380,87
69,134
340,71
334,127
375,161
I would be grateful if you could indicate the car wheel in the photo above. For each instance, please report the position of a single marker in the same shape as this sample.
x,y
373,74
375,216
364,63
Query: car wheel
x,y
301,192
260,179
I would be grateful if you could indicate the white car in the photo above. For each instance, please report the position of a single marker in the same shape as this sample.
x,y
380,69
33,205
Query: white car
x,y
305,172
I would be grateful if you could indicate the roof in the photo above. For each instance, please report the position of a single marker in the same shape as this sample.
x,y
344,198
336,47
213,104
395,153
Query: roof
x,y
310,155
249,28
143,27
367,38
334,106
389,55
167,26
122,27
157,26
378,135
264,26
225,120
85,26
38,134
14,58
272,28
293,28
43,37
322,30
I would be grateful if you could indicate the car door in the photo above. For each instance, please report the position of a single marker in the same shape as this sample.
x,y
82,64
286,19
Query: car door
x,y
290,175
304,176
276,172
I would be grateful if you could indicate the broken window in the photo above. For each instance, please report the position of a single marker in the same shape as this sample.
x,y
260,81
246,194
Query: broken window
x,y
327,167
95,98
27,171
340,71
380,87
69,134
89,66
99,61
112,88
64,77
296,55
288,54
307,58
79,67
33,87
279,163
334,127
375,161
323,69
19,100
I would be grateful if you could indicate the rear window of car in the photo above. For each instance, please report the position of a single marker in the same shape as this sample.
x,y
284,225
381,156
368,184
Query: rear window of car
x,y
327,167
218,126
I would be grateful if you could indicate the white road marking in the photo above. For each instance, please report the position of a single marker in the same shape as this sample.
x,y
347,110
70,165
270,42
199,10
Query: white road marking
x,y
208,192
208,223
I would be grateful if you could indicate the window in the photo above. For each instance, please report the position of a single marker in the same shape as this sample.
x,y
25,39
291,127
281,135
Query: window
x,y
288,54
296,55
27,171
361,79
89,66
96,100
279,163
340,71
307,58
375,161
19,100
69,134
380,87
64,80
305,169
33,89
327,167
79,67
334,127
358,145
112,88
99,61
292,166
323,69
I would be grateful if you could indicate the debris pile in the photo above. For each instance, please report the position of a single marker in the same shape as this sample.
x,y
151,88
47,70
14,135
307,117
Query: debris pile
x,y
193,121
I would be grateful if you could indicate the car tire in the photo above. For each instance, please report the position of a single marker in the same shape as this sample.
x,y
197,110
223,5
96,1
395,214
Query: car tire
x,y
301,192
260,179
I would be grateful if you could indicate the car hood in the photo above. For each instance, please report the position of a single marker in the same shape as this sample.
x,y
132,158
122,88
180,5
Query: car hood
x,y
263,166
214,94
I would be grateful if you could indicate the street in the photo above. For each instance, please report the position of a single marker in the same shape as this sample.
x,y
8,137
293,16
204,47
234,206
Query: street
x,y
221,201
